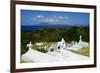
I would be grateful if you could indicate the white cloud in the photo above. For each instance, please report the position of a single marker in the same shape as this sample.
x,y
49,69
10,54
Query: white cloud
x,y
50,19
60,17
39,16
63,17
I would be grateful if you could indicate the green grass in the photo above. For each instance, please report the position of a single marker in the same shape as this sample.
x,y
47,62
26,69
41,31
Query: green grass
x,y
83,51
23,62
42,48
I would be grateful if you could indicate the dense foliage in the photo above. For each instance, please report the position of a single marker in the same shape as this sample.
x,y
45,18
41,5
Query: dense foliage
x,y
53,35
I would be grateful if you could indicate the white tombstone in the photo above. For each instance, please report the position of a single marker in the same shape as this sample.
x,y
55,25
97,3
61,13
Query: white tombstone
x,y
32,56
77,46
61,44
51,48
80,41
29,45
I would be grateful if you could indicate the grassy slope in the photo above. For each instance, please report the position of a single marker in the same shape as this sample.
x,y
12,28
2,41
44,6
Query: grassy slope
x,y
83,51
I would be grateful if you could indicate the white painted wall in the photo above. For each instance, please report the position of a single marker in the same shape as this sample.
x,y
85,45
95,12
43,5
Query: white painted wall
x,y
5,36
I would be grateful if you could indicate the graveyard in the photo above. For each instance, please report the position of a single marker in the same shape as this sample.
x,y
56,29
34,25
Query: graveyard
x,y
56,51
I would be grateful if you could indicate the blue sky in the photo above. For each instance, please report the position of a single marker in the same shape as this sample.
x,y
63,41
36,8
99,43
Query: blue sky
x,y
39,18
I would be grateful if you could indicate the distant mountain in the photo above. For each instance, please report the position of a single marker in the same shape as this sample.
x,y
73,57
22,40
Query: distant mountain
x,y
67,25
51,24
41,26
79,25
